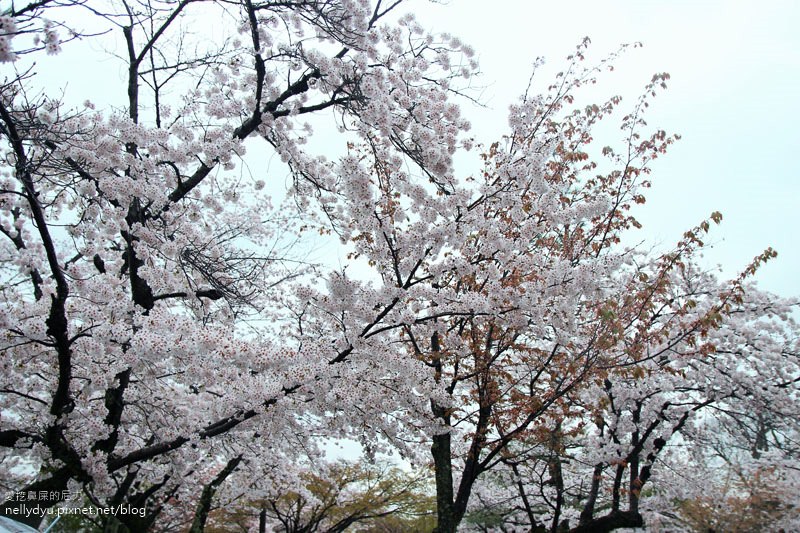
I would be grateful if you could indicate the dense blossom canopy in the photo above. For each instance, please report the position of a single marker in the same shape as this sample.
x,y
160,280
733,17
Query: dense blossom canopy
x,y
167,343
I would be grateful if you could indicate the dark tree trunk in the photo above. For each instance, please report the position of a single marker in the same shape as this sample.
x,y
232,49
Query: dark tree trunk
x,y
588,509
204,505
610,522
443,467
446,520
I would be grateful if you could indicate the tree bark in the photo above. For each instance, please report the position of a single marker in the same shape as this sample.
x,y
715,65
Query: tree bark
x,y
443,467
204,505
610,522
587,514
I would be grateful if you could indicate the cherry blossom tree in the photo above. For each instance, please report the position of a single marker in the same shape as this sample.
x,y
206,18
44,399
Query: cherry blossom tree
x,y
543,331
166,344
661,433
145,344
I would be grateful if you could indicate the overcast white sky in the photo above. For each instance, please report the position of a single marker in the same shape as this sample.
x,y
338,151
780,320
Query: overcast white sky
x,y
733,96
